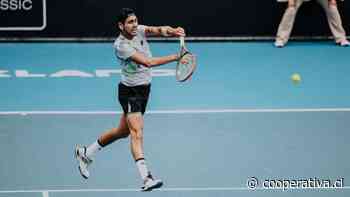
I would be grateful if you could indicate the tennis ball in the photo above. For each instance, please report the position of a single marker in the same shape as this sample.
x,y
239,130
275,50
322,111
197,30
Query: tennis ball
x,y
296,78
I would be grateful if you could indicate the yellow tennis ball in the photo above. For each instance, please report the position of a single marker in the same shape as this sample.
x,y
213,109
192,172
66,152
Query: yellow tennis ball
x,y
296,78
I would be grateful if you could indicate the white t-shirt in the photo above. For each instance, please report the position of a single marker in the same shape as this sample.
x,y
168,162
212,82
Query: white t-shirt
x,y
133,74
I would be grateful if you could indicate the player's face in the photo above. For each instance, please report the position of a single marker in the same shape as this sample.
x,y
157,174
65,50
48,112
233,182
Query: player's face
x,y
129,27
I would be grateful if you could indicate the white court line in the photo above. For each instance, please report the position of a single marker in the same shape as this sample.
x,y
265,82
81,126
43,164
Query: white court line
x,y
46,194
184,189
187,111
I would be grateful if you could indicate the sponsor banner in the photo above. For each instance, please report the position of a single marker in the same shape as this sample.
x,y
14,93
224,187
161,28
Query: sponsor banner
x,y
22,15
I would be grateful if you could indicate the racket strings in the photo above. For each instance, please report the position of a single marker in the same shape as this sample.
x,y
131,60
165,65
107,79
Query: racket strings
x,y
185,66
186,63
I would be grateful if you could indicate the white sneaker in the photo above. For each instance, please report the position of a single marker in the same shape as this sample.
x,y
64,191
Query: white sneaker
x,y
344,43
279,43
151,184
83,160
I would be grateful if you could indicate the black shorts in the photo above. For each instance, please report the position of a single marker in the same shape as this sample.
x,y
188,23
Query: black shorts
x,y
133,99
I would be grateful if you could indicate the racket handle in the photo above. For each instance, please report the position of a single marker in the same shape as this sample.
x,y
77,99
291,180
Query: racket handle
x,y
182,41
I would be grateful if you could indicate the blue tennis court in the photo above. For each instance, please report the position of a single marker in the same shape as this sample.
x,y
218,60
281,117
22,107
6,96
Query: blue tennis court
x,y
239,117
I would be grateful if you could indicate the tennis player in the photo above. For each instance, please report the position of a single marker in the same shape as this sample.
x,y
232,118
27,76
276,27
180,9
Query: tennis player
x,y
133,52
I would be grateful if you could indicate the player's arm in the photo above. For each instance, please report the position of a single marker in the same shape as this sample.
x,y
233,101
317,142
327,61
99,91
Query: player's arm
x,y
153,61
165,31
332,2
291,3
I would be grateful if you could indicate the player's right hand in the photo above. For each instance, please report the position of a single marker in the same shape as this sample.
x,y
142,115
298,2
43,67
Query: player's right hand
x,y
179,32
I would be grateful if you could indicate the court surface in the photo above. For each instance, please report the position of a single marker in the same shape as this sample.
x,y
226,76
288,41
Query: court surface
x,y
239,117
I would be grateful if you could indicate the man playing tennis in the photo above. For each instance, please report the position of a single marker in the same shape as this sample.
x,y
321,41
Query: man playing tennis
x,y
132,50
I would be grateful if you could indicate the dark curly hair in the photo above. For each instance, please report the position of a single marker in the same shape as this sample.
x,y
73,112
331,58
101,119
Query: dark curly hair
x,y
124,14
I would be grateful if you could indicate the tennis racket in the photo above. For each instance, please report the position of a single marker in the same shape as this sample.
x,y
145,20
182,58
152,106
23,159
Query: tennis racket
x,y
186,64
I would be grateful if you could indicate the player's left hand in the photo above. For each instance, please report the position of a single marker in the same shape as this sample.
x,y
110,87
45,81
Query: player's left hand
x,y
185,60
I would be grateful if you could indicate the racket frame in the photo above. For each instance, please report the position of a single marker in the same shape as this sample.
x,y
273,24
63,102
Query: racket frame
x,y
183,52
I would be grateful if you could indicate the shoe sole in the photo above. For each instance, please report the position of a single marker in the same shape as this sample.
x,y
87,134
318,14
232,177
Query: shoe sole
x,y
344,45
85,177
279,46
156,186
77,158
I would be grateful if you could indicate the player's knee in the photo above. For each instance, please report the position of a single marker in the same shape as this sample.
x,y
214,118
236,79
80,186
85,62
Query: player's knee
x,y
124,134
136,134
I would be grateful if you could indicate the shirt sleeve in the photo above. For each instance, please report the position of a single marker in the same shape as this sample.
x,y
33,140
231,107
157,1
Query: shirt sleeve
x,y
124,50
142,30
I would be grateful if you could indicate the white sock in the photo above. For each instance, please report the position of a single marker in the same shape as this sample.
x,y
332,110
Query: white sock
x,y
93,149
142,167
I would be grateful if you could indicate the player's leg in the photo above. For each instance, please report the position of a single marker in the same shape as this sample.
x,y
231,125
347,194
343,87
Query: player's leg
x,y
110,136
286,25
136,123
136,107
122,131
85,155
334,21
